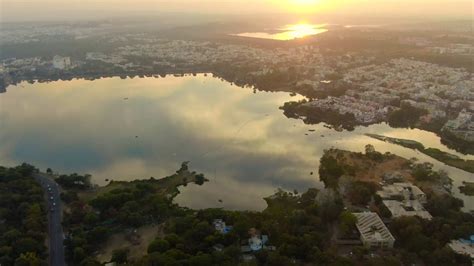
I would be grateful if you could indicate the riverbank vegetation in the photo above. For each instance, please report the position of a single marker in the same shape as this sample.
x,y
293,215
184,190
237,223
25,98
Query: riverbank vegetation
x,y
312,115
442,156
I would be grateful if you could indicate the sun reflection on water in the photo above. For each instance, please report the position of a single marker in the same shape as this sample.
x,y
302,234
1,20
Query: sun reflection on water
x,y
289,32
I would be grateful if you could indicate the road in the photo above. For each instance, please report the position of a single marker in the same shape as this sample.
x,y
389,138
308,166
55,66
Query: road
x,y
55,229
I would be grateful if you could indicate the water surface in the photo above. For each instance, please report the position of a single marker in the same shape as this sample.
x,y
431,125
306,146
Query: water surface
x,y
289,32
124,129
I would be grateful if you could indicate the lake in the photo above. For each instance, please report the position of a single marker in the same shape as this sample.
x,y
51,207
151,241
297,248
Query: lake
x,y
125,129
288,32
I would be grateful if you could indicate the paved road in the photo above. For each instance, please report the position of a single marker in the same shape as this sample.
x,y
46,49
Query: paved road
x,y
56,236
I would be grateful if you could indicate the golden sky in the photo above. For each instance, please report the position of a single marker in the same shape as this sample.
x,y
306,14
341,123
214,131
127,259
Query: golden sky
x,y
11,9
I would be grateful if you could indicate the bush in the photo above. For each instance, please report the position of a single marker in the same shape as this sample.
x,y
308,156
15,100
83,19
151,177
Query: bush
x,y
158,245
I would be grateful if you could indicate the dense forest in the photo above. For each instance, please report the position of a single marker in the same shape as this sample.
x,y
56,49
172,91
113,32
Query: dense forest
x,y
23,224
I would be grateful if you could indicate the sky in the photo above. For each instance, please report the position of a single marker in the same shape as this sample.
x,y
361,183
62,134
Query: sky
x,y
28,10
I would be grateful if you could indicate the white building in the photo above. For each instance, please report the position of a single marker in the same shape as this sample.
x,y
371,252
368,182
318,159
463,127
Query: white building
x,y
373,232
60,62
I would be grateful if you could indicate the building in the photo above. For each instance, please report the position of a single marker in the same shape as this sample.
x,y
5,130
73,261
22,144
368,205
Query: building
x,y
407,208
404,199
60,62
401,190
463,247
373,232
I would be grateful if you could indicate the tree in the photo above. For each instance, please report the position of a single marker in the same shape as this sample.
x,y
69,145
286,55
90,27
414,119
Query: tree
x,y
406,116
201,260
28,259
97,234
347,222
360,193
200,179
120,256
360,252
330,171
79,254
158,245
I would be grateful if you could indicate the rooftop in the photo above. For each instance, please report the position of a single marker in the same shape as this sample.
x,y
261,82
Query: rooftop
x,y
372,228
462,247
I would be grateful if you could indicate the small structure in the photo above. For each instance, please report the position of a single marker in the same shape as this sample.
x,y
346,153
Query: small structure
x,y
463,247
221,227
256,242
373,232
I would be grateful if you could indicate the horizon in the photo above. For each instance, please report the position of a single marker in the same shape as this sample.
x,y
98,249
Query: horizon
x,y
55,10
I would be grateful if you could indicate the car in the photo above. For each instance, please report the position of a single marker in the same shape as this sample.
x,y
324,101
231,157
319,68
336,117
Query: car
x,y
52,209
51,198
54,203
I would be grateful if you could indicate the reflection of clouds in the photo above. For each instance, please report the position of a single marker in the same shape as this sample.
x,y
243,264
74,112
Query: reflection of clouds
x,y
240,140
234,195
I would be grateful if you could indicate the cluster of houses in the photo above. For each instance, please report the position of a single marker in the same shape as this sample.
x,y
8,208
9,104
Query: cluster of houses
x,y
364,112
401,199
462,126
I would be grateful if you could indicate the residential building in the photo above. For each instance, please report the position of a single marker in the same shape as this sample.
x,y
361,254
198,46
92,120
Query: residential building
x,y
403,190
404,199
373,232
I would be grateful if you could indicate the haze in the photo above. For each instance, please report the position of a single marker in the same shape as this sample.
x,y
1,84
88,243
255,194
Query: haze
x,y
35,10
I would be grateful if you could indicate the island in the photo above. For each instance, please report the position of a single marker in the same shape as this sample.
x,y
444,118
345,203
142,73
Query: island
x,y
442,156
